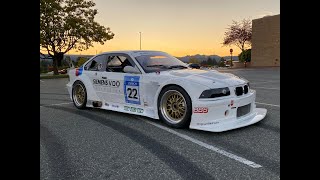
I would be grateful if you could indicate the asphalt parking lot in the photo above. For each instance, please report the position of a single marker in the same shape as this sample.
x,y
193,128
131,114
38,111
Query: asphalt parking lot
x,y
100,144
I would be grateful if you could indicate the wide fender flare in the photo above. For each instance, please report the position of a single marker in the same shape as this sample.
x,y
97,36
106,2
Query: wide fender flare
x,y
91,93
193,89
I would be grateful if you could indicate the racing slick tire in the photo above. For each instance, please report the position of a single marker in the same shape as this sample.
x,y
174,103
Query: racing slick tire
x,y
175,107
79,95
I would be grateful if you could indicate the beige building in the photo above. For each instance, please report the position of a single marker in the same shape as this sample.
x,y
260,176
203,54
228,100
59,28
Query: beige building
x,y
266,41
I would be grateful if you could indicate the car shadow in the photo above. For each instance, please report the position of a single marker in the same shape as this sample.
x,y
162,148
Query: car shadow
x,y
177,162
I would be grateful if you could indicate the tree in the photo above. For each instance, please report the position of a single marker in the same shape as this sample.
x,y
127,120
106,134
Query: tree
x,y
214,62
245,56
239,34
81,60
194,60
209,61
222,62
203,63
69,24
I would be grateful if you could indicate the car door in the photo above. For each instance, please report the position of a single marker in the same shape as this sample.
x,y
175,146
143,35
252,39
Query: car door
x,y
94,69
124,87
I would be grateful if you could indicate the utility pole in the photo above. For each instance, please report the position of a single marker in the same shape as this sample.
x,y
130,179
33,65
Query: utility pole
x,y
140,40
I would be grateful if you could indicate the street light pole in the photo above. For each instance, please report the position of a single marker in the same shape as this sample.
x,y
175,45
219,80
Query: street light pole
x,y
231,50
140,40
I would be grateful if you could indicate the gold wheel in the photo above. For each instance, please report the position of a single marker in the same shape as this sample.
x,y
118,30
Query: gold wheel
x,y
173,106
79,95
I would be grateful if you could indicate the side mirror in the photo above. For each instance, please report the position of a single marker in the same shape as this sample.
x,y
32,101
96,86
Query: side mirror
x,y
130,69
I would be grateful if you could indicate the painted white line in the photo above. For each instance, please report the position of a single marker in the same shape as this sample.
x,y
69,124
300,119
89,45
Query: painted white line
x,y
268,104
205,145
263,82
266,88
55,104
41,81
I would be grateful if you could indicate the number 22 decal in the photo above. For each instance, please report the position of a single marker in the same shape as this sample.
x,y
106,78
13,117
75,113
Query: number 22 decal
x,y
131,89
132,93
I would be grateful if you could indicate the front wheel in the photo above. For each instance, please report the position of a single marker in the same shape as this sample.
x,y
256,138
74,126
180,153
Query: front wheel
x,y
79,95
174,107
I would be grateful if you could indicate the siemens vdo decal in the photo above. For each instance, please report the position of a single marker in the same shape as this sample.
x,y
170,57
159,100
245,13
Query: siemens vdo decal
x,y
131,89
109,83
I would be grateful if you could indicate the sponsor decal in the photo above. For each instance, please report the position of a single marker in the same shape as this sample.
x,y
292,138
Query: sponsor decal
x,y
106,82
200,110
202,124
79,71
131,89
139,110
106,104
133,109
115,106
108,89
126,108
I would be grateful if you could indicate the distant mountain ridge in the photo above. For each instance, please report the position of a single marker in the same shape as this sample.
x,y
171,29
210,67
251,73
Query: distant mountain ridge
x,y
205,57
184,58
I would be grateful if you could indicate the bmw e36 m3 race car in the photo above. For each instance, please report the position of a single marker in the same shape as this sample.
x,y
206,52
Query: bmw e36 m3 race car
x,y
158,85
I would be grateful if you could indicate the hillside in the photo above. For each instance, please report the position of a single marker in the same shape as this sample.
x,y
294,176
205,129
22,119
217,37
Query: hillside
x,y
184,58
205,57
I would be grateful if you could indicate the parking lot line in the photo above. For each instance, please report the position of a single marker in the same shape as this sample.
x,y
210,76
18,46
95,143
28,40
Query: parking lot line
x,y
59,104
205,145
265,88
41,81
268,104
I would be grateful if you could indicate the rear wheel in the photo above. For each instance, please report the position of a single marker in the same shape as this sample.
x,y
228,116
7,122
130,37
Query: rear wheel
x,y
174,107
79,95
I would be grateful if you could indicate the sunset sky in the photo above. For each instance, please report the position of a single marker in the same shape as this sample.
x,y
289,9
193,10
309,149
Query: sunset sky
x,y
179,27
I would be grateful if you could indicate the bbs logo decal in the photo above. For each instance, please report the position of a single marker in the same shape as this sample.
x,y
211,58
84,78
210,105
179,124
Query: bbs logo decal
x,y
131,89
109,83
200,110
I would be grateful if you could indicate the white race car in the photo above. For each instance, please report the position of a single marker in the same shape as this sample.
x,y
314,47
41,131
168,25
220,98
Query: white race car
x,y
158,85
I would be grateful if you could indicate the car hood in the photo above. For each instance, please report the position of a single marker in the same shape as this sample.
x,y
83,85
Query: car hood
x,y
212,78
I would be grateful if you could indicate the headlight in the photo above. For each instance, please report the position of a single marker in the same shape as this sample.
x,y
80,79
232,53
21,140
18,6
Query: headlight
x,y
213,93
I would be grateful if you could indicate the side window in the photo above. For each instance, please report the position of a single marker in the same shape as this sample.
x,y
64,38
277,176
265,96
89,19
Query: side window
x,y
116,63
97,64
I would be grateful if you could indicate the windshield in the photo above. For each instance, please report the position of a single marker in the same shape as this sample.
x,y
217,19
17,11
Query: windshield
x,y
159,61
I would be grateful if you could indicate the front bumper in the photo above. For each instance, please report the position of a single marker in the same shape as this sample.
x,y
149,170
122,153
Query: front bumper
x,y
221,115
